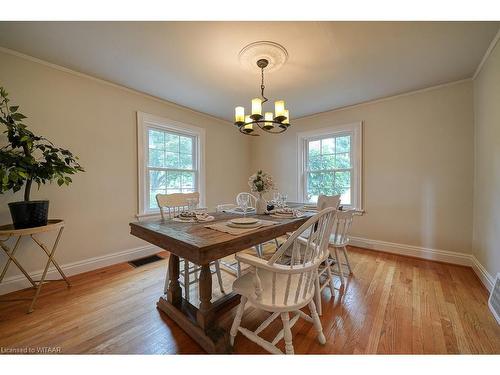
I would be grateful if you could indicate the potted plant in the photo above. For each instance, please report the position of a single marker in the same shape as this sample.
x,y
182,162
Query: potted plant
x,y
29,158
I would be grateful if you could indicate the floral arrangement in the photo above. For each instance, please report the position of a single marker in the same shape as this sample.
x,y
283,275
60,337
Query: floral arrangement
x,y
261,182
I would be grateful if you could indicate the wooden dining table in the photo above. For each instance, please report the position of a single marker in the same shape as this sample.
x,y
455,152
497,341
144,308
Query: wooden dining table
x,y
200,245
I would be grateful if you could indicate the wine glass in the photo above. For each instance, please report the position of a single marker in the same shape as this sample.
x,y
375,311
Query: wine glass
x,y
243,202
192,203
284,198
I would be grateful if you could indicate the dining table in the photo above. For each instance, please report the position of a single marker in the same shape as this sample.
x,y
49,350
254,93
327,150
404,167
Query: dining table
x,y
200,245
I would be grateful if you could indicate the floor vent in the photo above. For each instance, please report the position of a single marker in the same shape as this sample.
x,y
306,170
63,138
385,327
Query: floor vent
x,y
494,300
146,260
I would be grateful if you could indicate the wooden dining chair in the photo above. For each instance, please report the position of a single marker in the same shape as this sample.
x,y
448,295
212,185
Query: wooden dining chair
x,y
324,277
171,205
284,285
339,240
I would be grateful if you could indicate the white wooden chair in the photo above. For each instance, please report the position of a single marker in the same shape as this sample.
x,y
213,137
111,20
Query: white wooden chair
x,y
283,285
173,204
339,240
252,200
325,269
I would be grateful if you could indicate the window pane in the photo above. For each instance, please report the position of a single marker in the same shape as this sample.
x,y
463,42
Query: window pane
x,y
171,160
342,160
152,197
314,183
314,147
343,144
171,142
173,180
343,178
156,139
328,162
328,146
172,191
185,161
187,180
156,158
315,163
345,195
186,145
158,180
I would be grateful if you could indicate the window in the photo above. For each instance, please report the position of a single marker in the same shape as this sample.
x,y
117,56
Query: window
x,y
330,164
170,160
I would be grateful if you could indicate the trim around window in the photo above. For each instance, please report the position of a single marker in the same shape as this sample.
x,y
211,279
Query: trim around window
x,y
147,121
356,132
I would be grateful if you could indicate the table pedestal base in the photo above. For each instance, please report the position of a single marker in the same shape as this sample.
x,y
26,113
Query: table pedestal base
x,y
214,339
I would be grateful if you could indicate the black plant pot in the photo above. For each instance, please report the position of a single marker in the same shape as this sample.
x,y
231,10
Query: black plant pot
x,y
29,214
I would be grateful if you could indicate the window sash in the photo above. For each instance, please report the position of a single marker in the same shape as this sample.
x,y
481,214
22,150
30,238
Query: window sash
x,y
307,170
147,122
194,146
355,131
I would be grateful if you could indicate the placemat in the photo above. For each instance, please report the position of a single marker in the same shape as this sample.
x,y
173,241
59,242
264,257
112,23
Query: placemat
x,y
222,227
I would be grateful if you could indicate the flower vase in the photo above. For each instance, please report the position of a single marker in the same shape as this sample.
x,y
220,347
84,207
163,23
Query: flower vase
x,y
260,205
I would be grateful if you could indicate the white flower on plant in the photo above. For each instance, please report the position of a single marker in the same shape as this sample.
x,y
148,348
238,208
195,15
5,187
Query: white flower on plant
x,y
261,182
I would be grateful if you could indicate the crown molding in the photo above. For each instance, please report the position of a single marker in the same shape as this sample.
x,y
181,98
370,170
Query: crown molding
x,y
487,54
109,83
387,98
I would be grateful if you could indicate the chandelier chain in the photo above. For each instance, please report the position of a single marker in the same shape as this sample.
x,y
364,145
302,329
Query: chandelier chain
x,y
262,87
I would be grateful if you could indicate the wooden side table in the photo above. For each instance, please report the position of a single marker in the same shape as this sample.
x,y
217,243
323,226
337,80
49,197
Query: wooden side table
x,y
8,231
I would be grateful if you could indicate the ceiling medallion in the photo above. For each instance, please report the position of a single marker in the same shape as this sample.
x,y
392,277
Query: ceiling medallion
x,y
269,55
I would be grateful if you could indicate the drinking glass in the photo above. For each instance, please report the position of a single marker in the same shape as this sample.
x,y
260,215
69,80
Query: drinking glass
x,y
243,202
192,203
284,198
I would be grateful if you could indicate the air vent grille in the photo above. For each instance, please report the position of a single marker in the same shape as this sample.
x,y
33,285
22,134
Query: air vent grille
x,y
494,301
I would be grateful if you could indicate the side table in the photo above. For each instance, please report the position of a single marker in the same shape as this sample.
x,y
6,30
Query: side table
x,y
8,231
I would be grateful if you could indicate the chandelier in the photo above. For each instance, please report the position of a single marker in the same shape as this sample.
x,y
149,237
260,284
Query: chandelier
x,y
276,122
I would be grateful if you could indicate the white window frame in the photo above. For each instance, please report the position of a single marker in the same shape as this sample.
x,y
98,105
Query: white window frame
x,y
146,121
355,130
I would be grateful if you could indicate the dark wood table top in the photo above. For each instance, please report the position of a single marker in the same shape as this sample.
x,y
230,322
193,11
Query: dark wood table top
x,y
201,245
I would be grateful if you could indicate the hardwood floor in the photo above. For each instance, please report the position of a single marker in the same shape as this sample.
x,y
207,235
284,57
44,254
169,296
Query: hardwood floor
x,y
392,304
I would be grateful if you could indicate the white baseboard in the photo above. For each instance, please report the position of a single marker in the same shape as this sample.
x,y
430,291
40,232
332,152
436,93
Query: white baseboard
x,y
429,254
19,282
484,276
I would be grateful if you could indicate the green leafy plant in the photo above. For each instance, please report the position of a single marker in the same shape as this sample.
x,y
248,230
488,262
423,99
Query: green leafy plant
x,y
29,158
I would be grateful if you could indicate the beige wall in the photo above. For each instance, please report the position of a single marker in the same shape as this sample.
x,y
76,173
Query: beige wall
x,y
97,122
418,165
486,234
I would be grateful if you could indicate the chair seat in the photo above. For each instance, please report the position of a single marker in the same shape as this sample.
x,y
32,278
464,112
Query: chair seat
x,y
335,242
244,286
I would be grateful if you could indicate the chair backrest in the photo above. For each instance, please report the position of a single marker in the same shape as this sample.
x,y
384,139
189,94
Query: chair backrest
x,y
301,258
252,200
325,201
341,226
175,203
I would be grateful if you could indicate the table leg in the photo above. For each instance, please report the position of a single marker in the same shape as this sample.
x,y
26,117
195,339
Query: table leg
x,y
39,286
204,314
10,254
174,291
44,248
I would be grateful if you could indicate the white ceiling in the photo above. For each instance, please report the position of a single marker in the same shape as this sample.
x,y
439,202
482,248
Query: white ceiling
x,y
195,64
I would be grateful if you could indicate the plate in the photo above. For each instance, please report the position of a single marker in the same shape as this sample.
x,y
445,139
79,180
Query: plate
x,y
244,220
244,226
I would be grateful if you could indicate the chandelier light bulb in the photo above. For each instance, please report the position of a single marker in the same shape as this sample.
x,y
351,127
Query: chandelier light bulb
x,y
239,114
287,115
